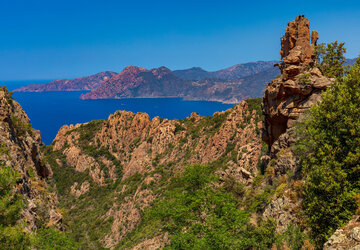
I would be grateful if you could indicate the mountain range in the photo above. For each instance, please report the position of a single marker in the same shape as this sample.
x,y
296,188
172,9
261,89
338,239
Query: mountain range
x,y
232,73
230,85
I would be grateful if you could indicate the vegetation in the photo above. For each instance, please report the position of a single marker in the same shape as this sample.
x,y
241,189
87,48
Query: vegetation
x,y
304,79
331,59
211,216
11,204
21,127
330,153
8,95
12,231
255,104
81,214
208,124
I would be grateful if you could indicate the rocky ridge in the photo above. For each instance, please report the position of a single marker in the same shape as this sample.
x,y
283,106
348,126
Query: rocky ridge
x,y
128,146
20,149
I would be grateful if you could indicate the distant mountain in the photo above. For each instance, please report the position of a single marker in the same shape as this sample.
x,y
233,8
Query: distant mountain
x,y
139,82
82,83
195,73
230,85
136,82
232,73
350,61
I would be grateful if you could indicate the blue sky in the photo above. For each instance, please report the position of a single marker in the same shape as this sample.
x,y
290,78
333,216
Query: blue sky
x,y
66,39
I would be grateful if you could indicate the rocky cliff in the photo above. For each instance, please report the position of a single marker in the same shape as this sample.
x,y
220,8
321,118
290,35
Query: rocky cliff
x,y
20,150
82,83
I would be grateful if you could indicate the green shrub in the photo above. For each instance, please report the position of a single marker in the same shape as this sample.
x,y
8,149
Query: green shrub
x,y
21,127
304,79
10,202
329,149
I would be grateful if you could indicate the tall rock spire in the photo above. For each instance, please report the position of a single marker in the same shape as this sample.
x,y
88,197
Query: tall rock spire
x,y
298,88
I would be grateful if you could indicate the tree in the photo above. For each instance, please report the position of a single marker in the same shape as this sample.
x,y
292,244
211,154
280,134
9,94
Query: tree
x,y
329,149
331,59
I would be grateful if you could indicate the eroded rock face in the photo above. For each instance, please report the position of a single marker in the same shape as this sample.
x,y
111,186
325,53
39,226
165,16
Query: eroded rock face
x,y
300,85
347,237
296,46
20,150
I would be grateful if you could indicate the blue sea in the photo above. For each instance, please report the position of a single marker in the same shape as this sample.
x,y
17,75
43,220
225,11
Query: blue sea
x,y
48,111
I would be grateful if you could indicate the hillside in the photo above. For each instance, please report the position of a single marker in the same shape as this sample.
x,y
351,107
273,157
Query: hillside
x,y
120,166
82,83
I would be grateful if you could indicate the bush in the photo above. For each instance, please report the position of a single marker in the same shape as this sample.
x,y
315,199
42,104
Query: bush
x,y
21,127
329,149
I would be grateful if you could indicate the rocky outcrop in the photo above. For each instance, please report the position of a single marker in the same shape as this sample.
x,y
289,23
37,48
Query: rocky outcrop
x,y
347,237
157,242
82,83
20,150
298,88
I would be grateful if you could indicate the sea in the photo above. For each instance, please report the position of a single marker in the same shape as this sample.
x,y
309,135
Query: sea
x,y
48,111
